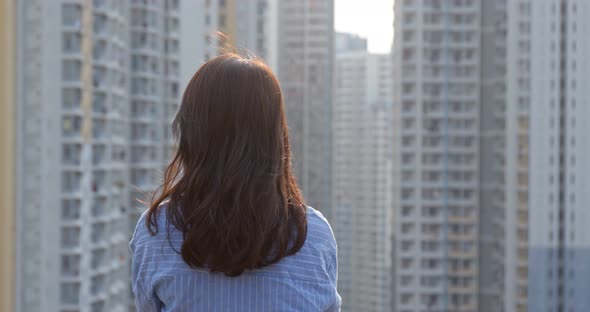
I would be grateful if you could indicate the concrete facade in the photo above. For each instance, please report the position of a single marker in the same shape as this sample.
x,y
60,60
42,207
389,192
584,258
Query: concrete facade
x,y
560,148
98,83
362,219
305,58
8,239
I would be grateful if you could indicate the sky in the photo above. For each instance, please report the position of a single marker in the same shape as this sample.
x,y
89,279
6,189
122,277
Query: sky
x,y
372,19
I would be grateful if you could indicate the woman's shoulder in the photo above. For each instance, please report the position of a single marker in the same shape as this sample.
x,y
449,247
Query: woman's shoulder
x,y
156,230
319,229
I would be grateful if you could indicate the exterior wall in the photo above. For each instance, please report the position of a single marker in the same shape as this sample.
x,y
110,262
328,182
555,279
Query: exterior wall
x,y
8,239
76,120
558,236
437,68
517,92
491,127
29,171
161,65
362,179
349,100
577,162
305,60
532,61
96,84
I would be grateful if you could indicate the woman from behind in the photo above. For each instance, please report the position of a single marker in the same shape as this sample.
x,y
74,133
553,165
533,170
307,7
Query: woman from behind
x,y
229,229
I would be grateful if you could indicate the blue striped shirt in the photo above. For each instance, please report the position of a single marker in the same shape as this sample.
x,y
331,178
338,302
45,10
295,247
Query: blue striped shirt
x,y
305,281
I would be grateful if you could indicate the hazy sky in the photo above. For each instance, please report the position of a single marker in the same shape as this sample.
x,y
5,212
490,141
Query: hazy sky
x,y
372,19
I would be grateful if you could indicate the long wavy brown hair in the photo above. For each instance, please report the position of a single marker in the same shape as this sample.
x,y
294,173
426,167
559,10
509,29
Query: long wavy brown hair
x,y
229,188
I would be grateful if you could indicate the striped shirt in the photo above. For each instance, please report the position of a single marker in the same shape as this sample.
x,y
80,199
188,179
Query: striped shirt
x,y
305,281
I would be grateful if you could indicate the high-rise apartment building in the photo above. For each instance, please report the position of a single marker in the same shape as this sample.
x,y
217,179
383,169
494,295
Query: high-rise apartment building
x,y
305,44
155,52
7,155
504,156
510,73
559,238
98,83
362,218
155,92
437,124
72,168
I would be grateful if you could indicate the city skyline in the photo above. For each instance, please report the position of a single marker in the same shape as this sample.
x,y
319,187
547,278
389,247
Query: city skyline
x,y
453,169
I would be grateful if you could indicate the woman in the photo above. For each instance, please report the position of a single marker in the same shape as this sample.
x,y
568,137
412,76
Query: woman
x,y
229,229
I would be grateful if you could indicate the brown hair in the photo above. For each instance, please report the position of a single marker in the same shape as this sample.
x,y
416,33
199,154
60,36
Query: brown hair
x,y
230,186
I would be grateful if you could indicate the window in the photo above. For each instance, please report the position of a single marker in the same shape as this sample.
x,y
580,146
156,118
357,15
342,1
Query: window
x,y
172,24
99,3
99,129
99,50
407,210
172,4
71,181
70,293
71,15
99,77
98,232
71,42
71,98
70,237
99,258
98,306
71,70
97,285
100,23
99,207
70,209
70,265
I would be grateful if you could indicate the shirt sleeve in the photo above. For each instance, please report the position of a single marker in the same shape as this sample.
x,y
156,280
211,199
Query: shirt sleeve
x,y
145,300
333,273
